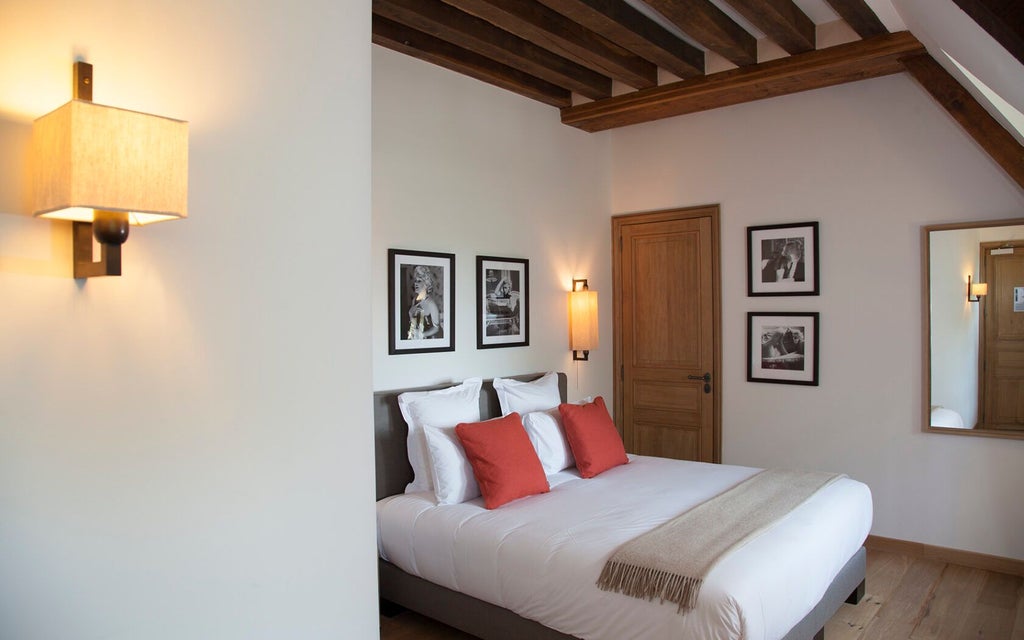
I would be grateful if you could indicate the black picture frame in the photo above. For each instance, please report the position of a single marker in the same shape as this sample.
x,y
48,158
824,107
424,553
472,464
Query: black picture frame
x,y
782,347
502,302
425,325
782,260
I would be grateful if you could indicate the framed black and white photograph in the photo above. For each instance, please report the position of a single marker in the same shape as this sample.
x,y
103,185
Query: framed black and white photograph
x,y
782,347
782,260
502,302
421,301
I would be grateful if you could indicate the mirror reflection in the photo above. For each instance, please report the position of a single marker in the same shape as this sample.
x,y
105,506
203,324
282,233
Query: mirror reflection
x,y
976,328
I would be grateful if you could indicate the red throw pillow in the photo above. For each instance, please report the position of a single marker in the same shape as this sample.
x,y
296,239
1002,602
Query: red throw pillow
x,y
592,436
504,462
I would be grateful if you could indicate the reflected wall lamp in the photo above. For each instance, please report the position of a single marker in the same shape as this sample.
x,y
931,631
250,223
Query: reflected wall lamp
x,y
976,290
105,168
582,319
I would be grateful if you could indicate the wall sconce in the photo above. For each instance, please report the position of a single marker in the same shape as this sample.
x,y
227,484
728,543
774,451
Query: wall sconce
x,y
582,320
977,290
105,168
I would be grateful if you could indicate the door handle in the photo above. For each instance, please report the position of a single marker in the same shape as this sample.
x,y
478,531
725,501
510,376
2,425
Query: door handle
x,y
707,381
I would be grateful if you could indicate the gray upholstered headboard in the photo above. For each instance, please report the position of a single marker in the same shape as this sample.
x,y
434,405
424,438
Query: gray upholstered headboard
x,y
390,431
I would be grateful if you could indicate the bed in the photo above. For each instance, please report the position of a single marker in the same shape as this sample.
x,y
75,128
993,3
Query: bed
x,y
528,596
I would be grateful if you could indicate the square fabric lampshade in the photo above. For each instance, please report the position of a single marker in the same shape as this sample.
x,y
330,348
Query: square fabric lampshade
x,y
89,156
583,320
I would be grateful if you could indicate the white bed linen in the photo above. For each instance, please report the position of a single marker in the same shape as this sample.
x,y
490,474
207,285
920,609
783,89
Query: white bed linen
x,y
540,556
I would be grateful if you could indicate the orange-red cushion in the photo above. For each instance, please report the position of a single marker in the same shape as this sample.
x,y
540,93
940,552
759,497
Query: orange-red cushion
x,y
592,436
504,462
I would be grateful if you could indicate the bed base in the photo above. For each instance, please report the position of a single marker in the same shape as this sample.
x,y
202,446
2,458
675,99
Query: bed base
x,y
491,622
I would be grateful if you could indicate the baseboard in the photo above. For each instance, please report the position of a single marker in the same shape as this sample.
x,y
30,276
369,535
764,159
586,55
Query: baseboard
x,y
944,554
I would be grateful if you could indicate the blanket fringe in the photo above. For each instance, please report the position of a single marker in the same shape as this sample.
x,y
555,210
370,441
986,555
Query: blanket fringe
x,y
647,583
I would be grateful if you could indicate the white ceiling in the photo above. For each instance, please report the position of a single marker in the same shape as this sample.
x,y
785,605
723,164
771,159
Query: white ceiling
x,y
947,31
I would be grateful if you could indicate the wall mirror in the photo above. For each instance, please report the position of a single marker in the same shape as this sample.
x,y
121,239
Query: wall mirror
x,y
973,301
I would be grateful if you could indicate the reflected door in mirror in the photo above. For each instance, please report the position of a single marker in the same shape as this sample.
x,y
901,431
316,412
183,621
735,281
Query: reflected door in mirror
x,y
1002,336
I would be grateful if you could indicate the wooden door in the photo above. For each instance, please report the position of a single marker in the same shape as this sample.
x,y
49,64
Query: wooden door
x,y
1002,337
666,283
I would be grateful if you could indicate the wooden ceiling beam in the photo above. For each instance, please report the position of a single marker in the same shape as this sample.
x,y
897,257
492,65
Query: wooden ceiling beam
x,y
1002,19
711,27
997,142
860,17
540,25
417,44
447,23
627,27
850,62
781,20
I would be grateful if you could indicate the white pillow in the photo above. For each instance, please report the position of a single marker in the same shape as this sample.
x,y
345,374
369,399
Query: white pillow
x,y
451,472
525,397
548,438
442,408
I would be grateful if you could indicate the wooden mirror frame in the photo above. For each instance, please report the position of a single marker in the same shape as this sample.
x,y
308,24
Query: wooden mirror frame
x,y
926,345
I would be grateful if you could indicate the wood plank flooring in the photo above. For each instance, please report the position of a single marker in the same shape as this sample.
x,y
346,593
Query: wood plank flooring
x,y
907,598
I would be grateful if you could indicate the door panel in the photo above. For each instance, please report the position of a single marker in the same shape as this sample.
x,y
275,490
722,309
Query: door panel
x,y
666,332
664,274
649,394
1002,340
667,441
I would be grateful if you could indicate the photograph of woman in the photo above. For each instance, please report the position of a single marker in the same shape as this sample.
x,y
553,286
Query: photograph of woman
x,y
421,298
425,321
502,302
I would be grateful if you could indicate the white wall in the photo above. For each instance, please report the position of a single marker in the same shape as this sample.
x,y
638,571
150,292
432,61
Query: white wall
x,y
183,449
953,256
462,167
872,161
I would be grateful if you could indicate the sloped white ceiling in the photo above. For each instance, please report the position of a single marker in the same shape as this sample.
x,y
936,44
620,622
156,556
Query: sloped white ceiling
x,y
941,26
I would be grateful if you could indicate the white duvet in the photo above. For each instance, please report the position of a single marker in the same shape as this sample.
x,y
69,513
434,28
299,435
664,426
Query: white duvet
x,y
541,556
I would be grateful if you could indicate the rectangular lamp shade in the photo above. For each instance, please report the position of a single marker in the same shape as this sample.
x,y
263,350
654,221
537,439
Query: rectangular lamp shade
x,y
88,156
979,289
582,320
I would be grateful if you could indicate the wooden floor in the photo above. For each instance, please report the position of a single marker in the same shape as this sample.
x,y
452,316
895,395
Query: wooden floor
x,y
906,598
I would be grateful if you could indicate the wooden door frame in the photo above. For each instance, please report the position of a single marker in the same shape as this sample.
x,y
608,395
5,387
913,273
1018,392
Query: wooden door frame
x,y
712,211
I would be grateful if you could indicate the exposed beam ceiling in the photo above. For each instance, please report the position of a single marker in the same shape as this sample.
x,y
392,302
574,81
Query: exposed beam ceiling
x,y
447,23
609,63
571,51
859,60
535,22
781,20
859,16
393,35
624,25
711,27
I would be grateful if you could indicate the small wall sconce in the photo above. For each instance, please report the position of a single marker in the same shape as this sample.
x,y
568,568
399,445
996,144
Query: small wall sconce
x,y
976,290
582,320
105,168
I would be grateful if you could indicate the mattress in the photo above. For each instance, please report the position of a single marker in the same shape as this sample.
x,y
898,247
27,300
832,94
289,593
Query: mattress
x,y
540,556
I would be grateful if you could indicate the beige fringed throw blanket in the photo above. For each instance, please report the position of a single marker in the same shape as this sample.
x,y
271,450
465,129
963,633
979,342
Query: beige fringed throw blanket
x,y
671,561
